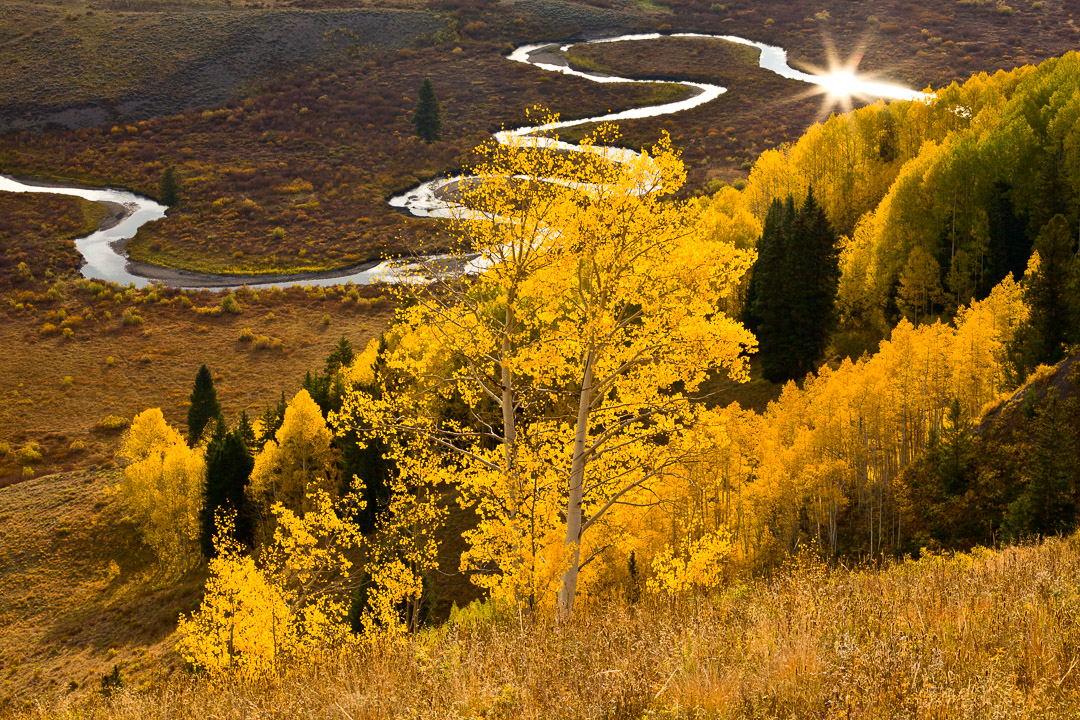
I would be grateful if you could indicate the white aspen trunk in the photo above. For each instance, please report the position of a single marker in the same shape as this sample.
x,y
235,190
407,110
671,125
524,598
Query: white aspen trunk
x,y
577,486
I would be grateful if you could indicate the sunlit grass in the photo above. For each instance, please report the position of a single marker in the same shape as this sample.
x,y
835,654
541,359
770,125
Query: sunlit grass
x,y
992,634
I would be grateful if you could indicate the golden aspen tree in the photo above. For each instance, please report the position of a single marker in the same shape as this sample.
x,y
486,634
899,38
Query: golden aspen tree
x,y
162,487
298,461
593,319
291,603
404,549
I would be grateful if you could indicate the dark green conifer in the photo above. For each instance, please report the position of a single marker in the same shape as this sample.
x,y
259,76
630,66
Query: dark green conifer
x,y
169,188
204,404
793,289
1051,297
427,116
341,356
271,420
229,463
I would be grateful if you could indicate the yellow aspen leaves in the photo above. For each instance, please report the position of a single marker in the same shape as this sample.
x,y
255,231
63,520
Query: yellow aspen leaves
x,y
162,487
293,602
298,461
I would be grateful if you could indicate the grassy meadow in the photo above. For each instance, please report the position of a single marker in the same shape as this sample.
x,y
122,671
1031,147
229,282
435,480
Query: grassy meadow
x,y
992,634
128,350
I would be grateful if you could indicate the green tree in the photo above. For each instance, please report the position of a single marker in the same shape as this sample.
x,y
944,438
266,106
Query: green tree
x,y
954,443
228,469
204,405
341,356
1050,294
271,420
427,116
1047,503
794,289
169,188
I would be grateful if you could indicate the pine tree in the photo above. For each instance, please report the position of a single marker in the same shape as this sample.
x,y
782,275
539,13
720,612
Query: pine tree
x,y
955,440
342,356
1050,294
427,116
228,469
1048,503
169,189
793,289
271,420
204,405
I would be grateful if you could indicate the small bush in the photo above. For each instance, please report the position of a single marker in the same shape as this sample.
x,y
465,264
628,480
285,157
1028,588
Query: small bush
x,y
209,311
27,472
29,454
68,333
110,361
68,381
49,329
76,447
246,335
230,305
112,423
131,318
326,320
5,449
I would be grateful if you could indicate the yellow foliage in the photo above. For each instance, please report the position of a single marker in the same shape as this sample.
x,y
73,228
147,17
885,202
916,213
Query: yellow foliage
x,y
298,461
162,487
573,352
253,616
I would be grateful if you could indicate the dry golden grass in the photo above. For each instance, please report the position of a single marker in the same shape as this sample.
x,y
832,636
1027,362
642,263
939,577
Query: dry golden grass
x,y
121,369
992,635
79,592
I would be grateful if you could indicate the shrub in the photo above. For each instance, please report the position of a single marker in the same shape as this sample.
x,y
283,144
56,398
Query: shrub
x,y
112,423
27,472
246,335
68,381
5,448
76,447
110,361
49,329
209,311
131,318
68,333
230,305
29,454
326,320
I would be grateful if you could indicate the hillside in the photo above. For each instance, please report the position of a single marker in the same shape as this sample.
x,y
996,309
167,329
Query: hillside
x,y
779,418
79,592
964,637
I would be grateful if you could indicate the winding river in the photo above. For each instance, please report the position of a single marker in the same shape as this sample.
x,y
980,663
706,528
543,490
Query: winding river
x,y
103,251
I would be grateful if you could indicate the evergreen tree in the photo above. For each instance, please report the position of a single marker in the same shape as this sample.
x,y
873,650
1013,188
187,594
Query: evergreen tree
x,y
1048,502
271,420
342,356
229,462
169,188
1050,294
247,431
427,116
1009,243
794,289
952,451
204,405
